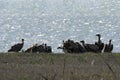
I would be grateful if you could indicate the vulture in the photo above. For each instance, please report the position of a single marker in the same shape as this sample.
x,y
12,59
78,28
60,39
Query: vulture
x,y
90,47
44,48
70,46
16,47
32,48
39,48
108,47
78,48
48,49
99,43
66,47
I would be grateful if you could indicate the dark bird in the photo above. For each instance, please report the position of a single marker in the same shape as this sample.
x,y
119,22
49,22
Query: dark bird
x,y
108,47
48,49
99,43
39,48
90,47
17,47
33,48
65,46
78,48
44,48
70,46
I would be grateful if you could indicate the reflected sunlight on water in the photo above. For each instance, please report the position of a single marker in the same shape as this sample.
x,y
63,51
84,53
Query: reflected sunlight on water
x,y
52,31
46,21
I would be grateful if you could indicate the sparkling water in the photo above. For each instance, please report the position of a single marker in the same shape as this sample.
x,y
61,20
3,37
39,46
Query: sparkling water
x,y
52,21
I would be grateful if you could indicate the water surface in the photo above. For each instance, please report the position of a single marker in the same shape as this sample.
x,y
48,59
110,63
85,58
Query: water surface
x,y
53,21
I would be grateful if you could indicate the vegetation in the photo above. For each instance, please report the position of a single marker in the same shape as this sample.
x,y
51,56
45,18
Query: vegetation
x,y
43,66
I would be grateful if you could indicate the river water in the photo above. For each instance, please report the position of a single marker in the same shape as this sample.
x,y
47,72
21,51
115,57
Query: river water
x,y
52,25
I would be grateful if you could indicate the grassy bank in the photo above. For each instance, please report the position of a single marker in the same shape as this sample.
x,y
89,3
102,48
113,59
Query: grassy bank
x,y
30,66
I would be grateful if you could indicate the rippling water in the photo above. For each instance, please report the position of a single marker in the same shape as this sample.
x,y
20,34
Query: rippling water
x,y
52,29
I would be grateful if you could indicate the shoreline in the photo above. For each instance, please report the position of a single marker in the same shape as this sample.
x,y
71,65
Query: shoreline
x,y
41,66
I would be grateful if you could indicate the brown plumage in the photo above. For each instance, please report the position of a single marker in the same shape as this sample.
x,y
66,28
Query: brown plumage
x,y
108,47
17,47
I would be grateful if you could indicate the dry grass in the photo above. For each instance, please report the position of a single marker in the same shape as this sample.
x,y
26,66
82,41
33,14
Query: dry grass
x,y
30,66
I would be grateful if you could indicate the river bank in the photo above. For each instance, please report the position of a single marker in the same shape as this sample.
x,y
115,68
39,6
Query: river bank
x,y
31,66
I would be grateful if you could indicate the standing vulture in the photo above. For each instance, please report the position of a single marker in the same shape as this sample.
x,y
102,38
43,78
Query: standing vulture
x,y
99,43
17,47
108,47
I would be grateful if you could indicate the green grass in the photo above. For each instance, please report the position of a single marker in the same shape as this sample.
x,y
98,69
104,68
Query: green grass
x,y
42,66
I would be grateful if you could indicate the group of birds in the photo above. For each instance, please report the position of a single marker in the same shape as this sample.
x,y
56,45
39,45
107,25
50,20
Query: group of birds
x,y
68,46
33,49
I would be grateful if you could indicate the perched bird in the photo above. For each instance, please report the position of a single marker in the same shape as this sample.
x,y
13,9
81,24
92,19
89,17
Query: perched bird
x,y
66,47
39,48
17,47
48,49
90,47
44,48
33,48
79,48
108,47
99,43
70,46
